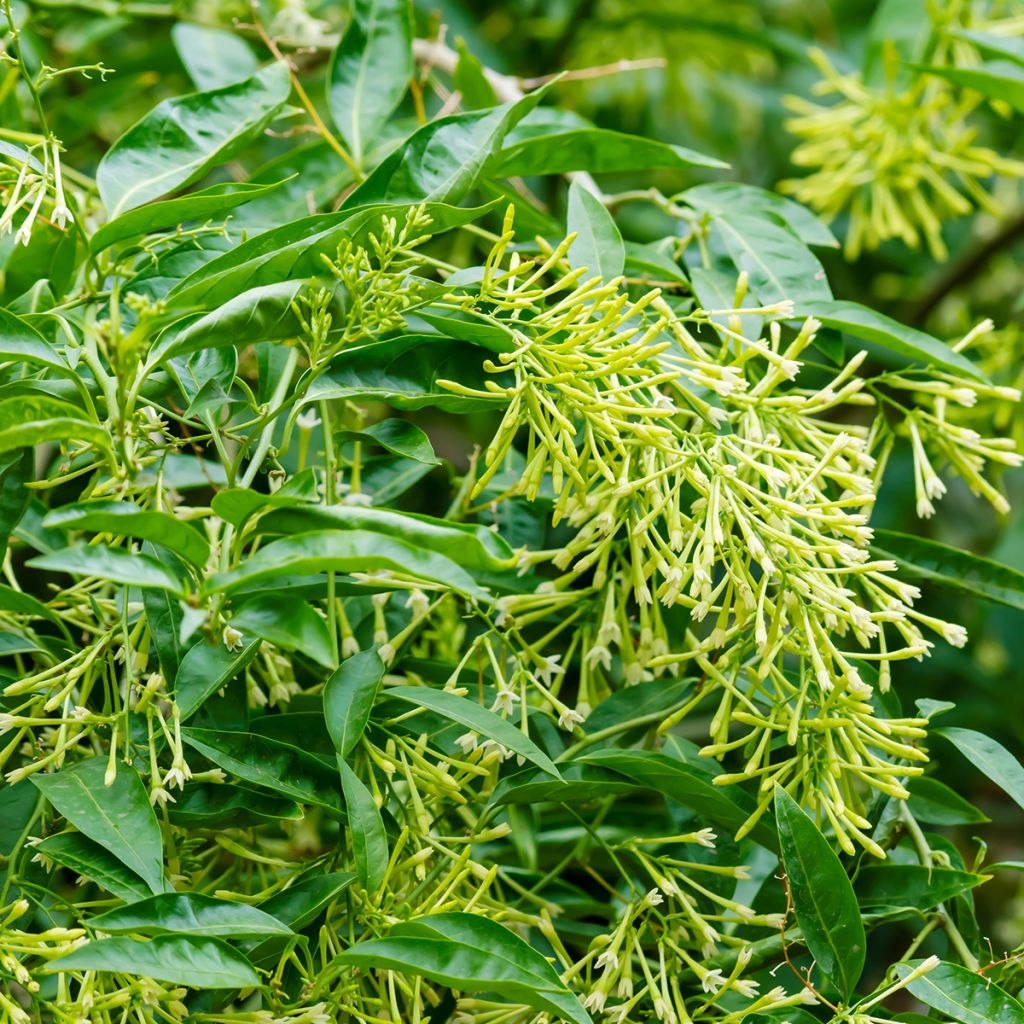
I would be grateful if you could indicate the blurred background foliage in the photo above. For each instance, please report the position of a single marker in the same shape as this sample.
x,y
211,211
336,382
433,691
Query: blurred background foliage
x,y
712,76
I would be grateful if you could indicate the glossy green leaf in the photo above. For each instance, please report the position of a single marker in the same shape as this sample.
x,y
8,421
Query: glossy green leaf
x,y
688,784
190,960
963,995
221,805
180,139
345,551
996,79
213,57
118,817
189,913
923,559
542,147
366,827
205,669
301,903
823,898
259,314
397,436
990,757
444,159
164,617
35,419
17,468
370,71
119,565
473,547
934,802
277,766
580,783
472,954
126,519
908,344
911,885
598,246
477,719
779,264
77,852
20,342
349,696
292,626
208,204
724,197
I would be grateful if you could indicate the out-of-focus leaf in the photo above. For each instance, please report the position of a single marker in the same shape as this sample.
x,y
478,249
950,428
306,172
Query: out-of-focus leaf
x,y
370,71
212,57
911,885
1010,47
823,898
996,79
934,802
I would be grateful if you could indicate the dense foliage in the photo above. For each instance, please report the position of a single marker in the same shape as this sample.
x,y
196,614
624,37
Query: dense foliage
x,y
464,561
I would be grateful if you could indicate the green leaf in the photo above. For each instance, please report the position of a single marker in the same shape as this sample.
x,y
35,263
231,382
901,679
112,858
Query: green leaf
x,y
445,159
579,784
996,79
220,805
471,80
126,519
963,995
22,343
934,802
189,913
207,204
370,71
292,626
349,696
399,437
900,26
345,551
259,314
77,852
276,766
471,954
180,139
907,343
403,372
118,817
598,246
723,197
178,959
474,547
989,757
823,898
212,57
164,616
30,420
540,146
369,840
911,885
477,719
206,668
300,904
923,559
119,565
1009,47
779,265
17,468
688,784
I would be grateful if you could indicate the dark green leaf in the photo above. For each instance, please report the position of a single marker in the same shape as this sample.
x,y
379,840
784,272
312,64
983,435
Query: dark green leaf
x,y
179,959
77,852
934,802
189,913
17,468
126,519
370,71
118,817
951,567
205,669
35,419
963,995
472,954
477,719
911,885
349,696
292,626
823,898
181,139
397,436
366,827
220,805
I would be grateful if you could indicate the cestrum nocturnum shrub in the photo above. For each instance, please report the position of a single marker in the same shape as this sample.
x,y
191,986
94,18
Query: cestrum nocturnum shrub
x,y
421,604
